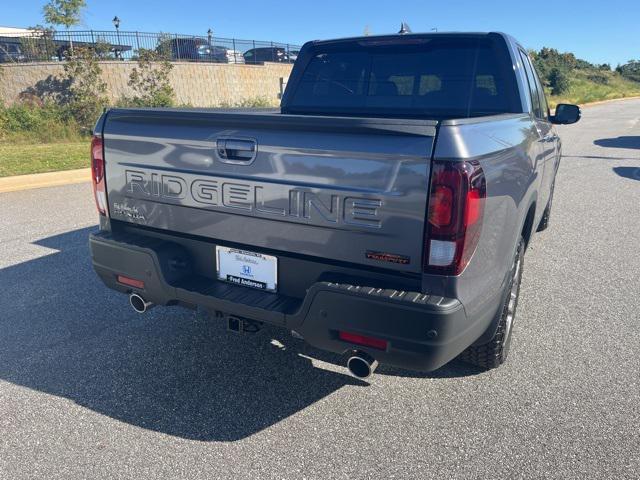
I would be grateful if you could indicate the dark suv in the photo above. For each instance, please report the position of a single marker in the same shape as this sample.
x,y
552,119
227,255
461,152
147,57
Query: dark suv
x,y
267,54
198,49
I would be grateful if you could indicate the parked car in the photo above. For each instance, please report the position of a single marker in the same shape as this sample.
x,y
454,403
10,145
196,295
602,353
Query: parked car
x,y
267,54
293,55
383,214
10,52
198,49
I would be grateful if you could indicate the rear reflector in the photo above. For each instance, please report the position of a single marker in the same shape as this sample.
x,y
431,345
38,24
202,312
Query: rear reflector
x,y
130,282
363,340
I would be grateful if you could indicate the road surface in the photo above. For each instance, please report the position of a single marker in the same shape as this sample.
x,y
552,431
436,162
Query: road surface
x,y
90,389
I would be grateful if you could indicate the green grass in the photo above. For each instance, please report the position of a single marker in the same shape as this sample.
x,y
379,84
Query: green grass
x,y
584,90
22,159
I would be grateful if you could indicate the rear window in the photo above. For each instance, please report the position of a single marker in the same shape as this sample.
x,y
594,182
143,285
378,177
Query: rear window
x,y
435,77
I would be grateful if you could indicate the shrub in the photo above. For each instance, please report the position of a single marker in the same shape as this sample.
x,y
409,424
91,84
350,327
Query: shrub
x,y
254,102
24,123
558,81
86,93
630,70
150,81
598,77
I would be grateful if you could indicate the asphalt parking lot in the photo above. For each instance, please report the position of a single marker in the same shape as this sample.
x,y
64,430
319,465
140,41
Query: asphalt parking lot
x,y
89,389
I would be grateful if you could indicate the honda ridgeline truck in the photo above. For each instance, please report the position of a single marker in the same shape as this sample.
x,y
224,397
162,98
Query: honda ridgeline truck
x,y
383,213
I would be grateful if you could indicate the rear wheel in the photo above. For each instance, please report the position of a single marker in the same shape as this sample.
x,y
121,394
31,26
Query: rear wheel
x,y
494,353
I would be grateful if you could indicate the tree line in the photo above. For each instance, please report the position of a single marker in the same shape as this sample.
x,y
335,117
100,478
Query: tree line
x,y
555,69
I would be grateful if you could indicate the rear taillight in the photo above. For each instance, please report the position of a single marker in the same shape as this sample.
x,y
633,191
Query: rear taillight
x,y
454,217
97,174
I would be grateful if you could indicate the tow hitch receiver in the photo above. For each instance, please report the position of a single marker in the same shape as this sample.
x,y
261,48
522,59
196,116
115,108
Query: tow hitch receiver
x,y
242,325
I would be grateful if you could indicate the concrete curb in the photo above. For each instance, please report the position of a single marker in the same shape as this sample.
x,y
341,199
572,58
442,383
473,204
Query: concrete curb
x,y
42,180
600,102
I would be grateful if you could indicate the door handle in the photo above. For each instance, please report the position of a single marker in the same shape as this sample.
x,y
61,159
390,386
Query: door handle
x,y
237,150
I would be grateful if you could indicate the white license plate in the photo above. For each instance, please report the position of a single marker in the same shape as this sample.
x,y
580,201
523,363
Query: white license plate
x,y
248,269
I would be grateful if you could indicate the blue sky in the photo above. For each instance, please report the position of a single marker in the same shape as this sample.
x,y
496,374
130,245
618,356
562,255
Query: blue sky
x,y
594,30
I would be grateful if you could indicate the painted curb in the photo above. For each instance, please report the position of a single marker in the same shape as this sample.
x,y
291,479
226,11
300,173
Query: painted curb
x,y
42,180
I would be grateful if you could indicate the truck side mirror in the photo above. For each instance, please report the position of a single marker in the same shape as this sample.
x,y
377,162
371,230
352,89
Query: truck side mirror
x,y
566,114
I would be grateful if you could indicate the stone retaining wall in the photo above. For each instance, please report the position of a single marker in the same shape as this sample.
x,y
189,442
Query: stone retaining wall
x,y
196,84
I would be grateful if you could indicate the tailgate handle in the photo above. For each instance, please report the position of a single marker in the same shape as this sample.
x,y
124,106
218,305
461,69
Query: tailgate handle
x,y
237,150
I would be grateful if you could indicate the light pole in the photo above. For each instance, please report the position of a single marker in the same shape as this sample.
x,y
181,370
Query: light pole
x,y
116,23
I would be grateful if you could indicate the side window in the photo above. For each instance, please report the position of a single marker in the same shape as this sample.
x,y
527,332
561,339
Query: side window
x,y
543,99
533,87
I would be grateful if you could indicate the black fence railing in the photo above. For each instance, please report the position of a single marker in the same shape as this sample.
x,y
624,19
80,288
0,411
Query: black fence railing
x,y
46,45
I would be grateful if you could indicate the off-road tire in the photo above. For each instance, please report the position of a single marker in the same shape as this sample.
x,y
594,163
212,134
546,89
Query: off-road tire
x,y
494,353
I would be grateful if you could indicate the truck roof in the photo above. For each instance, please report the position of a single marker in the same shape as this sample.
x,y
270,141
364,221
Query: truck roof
x,y
393,36
407,35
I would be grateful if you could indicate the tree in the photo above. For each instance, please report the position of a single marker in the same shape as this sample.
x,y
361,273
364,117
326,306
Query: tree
x,y
630,70
558,81
150,80
39,45
64,12
86,89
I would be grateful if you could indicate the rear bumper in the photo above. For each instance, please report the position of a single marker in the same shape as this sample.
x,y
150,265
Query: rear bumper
x,y
423,332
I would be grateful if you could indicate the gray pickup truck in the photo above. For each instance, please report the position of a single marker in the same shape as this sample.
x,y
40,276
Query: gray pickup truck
x,y
383,213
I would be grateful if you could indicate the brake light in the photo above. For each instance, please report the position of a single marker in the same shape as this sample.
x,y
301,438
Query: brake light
x,y
97,174
454,218
363,340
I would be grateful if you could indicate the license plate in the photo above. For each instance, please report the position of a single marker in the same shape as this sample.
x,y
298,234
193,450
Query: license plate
x,y
248,269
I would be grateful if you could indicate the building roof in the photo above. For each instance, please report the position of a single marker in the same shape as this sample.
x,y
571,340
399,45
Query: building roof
x,y
16,32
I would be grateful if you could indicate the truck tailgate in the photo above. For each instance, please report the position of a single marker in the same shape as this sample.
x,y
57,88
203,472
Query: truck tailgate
x,y
342,189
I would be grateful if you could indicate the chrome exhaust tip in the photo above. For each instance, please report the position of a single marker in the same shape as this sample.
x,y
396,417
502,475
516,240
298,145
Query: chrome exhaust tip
x,y
361,365
138,303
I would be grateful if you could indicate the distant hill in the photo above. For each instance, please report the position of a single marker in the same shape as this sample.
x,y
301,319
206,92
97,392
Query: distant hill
x,y
572,80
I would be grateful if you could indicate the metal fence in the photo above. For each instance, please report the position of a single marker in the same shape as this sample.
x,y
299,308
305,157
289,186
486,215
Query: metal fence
x,y
47,45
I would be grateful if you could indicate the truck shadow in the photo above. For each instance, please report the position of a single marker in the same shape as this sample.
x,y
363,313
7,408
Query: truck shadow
x,y
628,172
619,142
171,370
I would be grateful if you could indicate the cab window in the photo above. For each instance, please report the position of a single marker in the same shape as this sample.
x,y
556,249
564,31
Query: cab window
x,y
533,88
